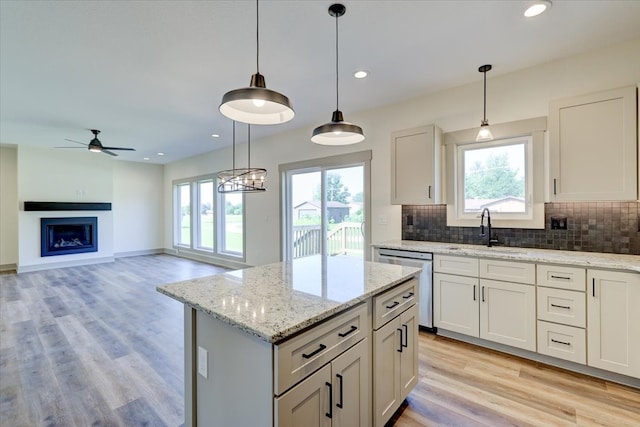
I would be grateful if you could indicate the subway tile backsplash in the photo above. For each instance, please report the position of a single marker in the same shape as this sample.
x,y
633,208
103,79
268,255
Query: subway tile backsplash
x,y
609,227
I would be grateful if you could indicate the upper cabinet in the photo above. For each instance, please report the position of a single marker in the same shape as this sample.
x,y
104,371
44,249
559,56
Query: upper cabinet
x,y
415,166
593,151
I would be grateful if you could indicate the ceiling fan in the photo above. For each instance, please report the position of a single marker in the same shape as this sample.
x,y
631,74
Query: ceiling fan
x,y
96,146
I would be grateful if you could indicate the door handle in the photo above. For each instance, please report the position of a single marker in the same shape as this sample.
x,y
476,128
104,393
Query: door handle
x,y
330,413
339,404
400,349
483,294
406,336
474,292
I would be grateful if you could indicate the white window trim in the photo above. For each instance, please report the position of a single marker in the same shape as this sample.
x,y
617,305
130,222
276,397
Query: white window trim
x,y
220,210
533,128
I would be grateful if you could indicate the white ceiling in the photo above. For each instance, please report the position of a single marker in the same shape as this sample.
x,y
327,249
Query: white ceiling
x,y
151,74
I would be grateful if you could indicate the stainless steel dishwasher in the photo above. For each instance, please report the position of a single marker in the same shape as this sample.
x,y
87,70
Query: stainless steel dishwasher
x,y
422,260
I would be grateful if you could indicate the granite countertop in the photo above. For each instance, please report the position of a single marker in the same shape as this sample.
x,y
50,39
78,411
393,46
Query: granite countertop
x,y
277,300
575,258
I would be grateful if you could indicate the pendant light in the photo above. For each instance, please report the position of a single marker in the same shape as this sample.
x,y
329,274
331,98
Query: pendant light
x,y
242,180
485,133
337,131
256,104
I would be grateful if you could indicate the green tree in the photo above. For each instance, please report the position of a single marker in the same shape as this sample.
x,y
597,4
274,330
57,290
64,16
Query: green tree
x,y
336,190
493,180
358,197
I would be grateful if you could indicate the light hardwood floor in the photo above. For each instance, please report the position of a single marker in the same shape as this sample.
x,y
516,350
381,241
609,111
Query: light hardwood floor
x,y
98,346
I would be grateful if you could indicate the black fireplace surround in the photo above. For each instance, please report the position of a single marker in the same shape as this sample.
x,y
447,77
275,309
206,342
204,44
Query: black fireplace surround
x,y
62,236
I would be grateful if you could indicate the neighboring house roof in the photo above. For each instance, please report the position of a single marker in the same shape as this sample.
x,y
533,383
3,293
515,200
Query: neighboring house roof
x,y
473,204
316,204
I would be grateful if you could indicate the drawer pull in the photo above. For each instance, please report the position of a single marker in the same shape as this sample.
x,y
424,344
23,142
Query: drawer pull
x,y
350,331
395,303
313,353
560,277
339,404
561,342
330,413
566,307
409,295
400,349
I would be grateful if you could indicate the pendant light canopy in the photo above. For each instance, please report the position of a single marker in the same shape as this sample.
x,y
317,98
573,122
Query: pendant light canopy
x,y
242,180
337,131
485,132
256,104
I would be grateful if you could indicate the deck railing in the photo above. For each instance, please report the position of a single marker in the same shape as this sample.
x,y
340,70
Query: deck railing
x,y
345,238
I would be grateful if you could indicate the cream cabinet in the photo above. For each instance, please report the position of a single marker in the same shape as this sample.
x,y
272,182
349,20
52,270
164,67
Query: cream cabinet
x,y
613,321
416,158
395,358
593,151
336,395
455,303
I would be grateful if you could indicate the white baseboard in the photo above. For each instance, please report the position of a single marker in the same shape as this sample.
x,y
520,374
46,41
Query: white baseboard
x,y
8,267
63,264
139,253
222,262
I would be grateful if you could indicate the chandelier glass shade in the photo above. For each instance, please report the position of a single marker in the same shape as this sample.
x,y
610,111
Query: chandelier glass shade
x,y
485,132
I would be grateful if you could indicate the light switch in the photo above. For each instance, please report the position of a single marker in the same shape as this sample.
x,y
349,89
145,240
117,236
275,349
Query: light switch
x,y
202,361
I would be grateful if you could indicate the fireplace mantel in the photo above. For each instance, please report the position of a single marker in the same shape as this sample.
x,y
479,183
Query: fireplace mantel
x,y
67,206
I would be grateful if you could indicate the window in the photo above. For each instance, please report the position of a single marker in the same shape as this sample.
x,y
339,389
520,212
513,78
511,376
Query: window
x,y
207,222
505,175
496,175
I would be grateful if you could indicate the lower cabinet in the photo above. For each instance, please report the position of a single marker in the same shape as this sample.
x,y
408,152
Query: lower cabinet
x,y
613,321
336,395
395,359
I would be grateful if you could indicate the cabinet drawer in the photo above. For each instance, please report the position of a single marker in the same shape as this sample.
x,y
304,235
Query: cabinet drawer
x,y
556,276
459,265
563,342
560,306
508,271
389,304
303,354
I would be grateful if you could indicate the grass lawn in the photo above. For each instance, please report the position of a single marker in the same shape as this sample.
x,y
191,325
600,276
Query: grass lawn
x,y
233,235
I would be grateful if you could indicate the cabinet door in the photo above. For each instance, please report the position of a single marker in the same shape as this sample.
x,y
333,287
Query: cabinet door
x,y
508,313
386,371
415,166
613,321
455,303
409,355
352,387
593,148
306,404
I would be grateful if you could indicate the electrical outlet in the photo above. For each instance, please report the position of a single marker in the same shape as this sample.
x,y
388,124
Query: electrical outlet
x,y
202,362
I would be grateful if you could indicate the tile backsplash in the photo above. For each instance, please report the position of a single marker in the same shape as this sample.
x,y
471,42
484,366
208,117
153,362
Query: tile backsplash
x,y
609,227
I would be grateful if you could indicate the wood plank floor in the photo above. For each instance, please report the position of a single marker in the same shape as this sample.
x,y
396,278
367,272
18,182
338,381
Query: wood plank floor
x,y
98,346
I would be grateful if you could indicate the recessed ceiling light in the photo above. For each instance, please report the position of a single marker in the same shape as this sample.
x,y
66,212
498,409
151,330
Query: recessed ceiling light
x,y
215,135
360,74
160,154
536,8
145,158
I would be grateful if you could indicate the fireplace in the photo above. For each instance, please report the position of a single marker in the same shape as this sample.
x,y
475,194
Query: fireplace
x,y
62,236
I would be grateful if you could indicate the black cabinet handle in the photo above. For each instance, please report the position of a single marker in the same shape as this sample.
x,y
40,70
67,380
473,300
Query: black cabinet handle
x,y
313,353
350,331
483,294
474,292
339,404
554,187
593,287
406,336
561,342
566,307
409,295
560,277
429,191
400,349
393,305
330,413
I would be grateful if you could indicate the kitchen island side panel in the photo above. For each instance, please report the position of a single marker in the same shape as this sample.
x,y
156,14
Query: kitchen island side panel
x,y
238,390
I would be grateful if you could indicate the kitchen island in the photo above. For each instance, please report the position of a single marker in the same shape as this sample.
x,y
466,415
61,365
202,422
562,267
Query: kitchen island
x,y
258,340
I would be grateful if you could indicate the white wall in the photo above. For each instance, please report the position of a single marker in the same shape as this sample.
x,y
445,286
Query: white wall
x,y
519,95
137,208
8,208
48,175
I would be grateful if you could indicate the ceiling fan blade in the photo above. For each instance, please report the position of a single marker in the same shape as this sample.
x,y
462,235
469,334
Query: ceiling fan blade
x,y
109,153
77,142
69,147
118,148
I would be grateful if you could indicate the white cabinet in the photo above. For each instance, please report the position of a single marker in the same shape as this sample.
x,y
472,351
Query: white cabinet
x,y
613,321
496,310
593,147
336,395
395,370
415,166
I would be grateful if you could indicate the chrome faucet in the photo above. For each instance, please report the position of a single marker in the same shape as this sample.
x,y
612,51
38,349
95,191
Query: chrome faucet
x,y
488,239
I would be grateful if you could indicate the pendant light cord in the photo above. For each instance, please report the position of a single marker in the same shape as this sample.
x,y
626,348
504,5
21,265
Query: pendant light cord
x,y
248,146
257,38
337,91
234,147
485,97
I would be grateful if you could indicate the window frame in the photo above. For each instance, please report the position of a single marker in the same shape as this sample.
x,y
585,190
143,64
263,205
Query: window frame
x,y
221,226
534,128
